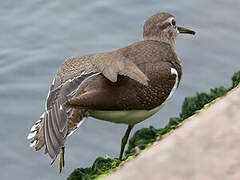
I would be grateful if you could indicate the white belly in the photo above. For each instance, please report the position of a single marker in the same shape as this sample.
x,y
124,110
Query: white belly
x,y
126,117
131,117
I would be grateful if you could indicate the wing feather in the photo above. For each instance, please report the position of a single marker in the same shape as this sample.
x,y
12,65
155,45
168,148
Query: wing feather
x,y
55,128
113,64
49,145
52,134
55,121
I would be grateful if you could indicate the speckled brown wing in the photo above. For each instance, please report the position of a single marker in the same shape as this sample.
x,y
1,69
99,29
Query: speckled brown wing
x,y
110,64
154,59
98,93
124,61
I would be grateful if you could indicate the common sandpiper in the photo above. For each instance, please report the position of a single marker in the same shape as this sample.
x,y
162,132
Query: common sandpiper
x,y
126,86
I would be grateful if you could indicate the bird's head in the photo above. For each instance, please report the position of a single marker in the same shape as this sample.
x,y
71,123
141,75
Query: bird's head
x,y
163,27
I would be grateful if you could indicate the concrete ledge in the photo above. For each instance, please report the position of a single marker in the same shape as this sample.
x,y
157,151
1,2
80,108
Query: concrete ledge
x,y
205,147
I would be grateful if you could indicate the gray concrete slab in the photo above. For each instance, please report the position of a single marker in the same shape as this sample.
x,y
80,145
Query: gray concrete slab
x,y
205,147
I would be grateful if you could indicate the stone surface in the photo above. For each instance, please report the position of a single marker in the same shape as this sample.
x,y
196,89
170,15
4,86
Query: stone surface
x,y
205,147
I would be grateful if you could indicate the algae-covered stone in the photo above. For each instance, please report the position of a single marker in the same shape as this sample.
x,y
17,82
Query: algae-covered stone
x,y
141,139
174,121
100,167
80,173
192,104
235,79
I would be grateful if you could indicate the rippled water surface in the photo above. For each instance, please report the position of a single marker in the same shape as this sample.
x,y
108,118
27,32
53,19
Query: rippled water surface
x,y
37,36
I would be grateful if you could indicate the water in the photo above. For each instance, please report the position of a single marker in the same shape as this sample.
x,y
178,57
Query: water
x,y
37,36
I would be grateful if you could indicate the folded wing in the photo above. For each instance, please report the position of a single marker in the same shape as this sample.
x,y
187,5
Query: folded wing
x,y
113,64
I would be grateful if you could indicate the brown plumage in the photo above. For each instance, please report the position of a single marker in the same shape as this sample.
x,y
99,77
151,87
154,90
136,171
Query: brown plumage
x,y
127,85
153,58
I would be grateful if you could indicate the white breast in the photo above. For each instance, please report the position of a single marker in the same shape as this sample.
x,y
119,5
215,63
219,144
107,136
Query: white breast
x,y
132,116
173,71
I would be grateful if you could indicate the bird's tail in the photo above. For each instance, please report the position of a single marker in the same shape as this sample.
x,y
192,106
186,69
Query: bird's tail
x,y
36,134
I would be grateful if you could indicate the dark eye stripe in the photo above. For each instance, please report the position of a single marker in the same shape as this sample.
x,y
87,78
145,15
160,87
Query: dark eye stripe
x,y
164,26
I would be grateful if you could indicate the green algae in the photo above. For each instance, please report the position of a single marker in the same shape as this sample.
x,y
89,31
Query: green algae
x,y
235,80
100,166
145,137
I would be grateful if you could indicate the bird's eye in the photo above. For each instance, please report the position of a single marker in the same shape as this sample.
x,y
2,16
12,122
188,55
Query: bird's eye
x,y
173,22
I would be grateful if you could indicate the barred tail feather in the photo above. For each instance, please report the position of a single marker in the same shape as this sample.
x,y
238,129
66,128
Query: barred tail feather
x,y
51,132
36,134
58,121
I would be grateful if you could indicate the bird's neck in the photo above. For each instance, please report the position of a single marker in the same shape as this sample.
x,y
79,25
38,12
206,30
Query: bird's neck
x,y
161,38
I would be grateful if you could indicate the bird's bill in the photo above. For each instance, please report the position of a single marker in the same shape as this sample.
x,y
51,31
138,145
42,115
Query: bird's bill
x,y
185,30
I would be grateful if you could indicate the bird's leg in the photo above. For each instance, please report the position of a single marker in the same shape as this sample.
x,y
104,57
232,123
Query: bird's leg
x,y
124,140
61,163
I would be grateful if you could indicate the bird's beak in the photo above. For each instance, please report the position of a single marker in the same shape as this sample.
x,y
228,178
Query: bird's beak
x,y
185,30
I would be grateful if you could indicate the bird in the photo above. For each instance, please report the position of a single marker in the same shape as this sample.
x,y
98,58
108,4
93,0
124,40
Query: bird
x,y
126,86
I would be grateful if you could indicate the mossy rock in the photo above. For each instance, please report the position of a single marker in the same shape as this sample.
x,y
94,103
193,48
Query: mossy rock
x,y
141,139
146,136
235,79
99,167
193,104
